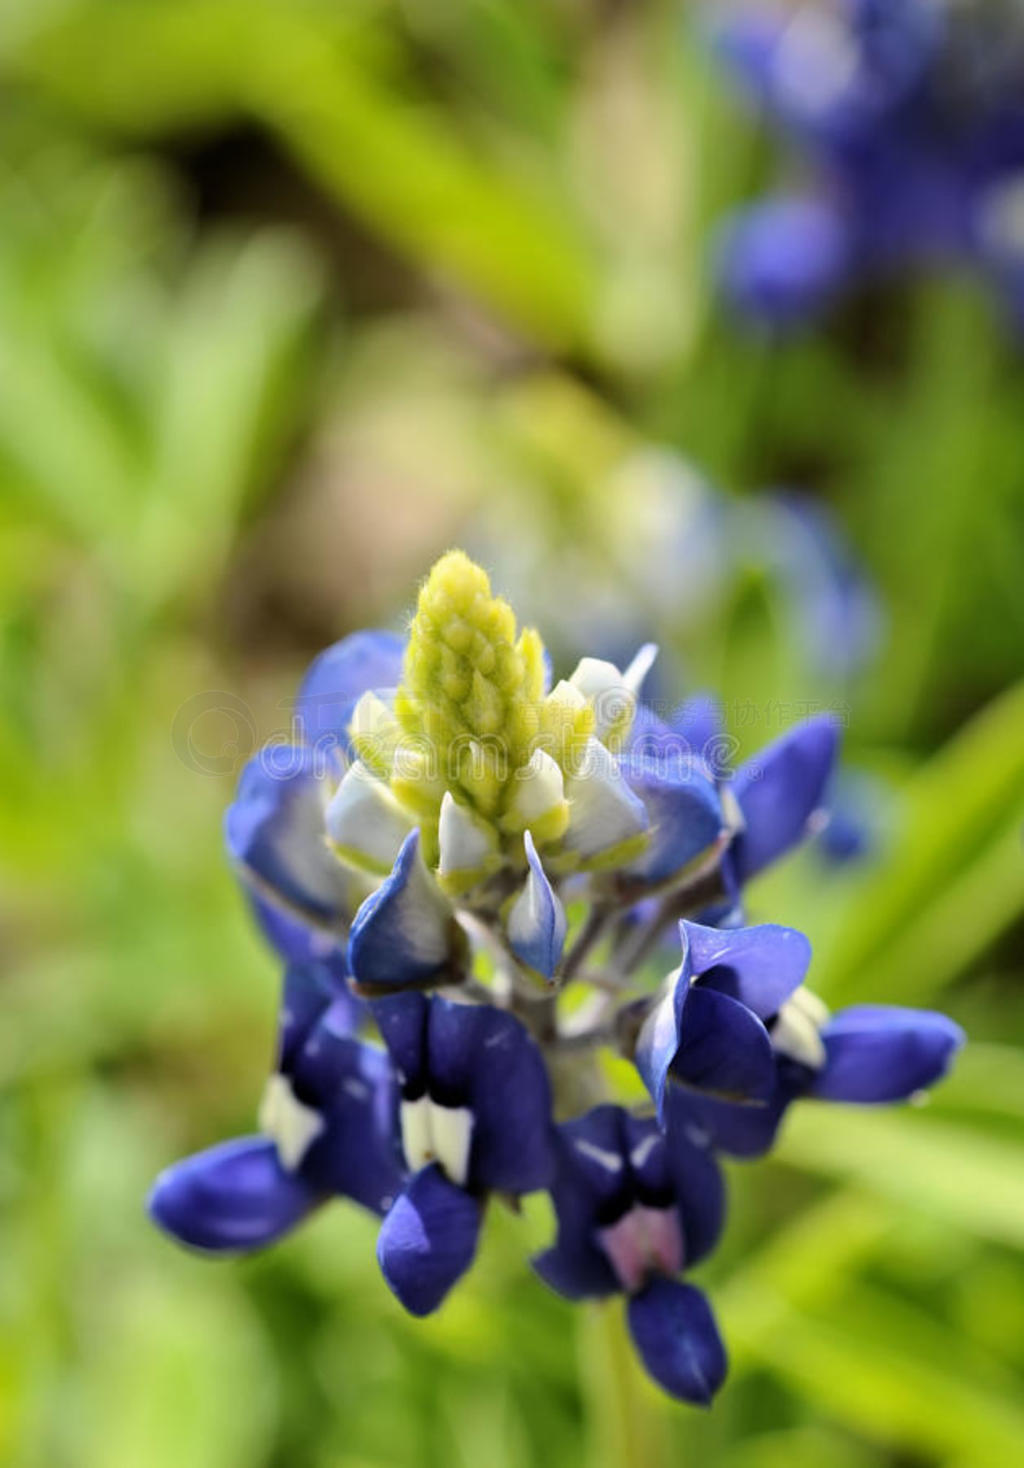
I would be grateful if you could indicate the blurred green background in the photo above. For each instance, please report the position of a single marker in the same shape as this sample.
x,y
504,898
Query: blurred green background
x,y
293,295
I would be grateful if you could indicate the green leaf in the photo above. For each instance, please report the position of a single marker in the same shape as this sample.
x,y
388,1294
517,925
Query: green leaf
x,y
972,1180
951,882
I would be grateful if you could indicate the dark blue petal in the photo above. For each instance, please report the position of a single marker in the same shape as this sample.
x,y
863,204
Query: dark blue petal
x,y
309,990
676,1336
737,1130
275,832
697,1183
338,678
592,1149
483,1058
404,935
510,1096
882,1053
402,1020
428,1240
780,790
590,1189
760,966
354,1087
572,1267
707,1042
231,1198
724,1049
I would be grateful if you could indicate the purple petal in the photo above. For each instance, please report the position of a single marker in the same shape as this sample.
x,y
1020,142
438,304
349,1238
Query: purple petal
x,y
780,791
338,678
760,966
881,1053
675,1334
275,832
231,1198
428,1240
404,935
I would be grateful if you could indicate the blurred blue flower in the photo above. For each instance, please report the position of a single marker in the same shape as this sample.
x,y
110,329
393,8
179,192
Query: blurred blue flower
x,y
910,115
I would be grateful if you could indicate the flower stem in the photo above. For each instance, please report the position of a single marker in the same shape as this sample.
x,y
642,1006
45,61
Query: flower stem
x,y
624,1429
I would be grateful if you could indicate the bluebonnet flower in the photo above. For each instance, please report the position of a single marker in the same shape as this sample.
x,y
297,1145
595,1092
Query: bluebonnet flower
x,y
474,1119
414,858
910,118
326,1130
707,1032
633,1212
869,1054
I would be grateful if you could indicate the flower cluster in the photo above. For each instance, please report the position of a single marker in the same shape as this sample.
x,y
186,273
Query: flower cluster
x,y
473,878
910,114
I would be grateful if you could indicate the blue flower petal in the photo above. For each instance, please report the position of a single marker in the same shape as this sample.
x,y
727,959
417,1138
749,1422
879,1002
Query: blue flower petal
x,y
275,832
338,678
760,966
882,1053
536,923
297,942
780,790
428,1240
683,810
701,724
590,1188
402,1021
707,1042
353,1086
697,1183
231,1198
309,990
738,1131
676,1336
510,1096
404,935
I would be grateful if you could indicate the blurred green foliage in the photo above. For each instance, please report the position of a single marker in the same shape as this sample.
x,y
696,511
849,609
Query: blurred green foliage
x,y
293,293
